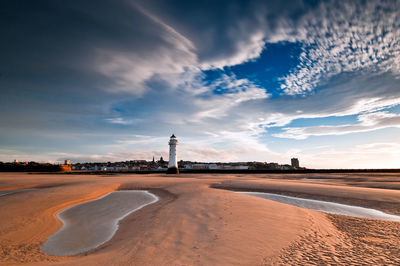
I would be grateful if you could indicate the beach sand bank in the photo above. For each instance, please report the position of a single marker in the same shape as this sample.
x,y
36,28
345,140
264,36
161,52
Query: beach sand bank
x,y
195,223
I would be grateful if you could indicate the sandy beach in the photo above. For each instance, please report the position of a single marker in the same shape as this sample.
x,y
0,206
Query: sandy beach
x,y
199,221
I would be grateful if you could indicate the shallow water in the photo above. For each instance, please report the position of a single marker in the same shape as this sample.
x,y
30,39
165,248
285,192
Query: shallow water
x,y
322,179
328,207
7,192
90,224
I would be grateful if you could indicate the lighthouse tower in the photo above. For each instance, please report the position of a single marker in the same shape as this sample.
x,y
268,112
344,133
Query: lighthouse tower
x,y
173,163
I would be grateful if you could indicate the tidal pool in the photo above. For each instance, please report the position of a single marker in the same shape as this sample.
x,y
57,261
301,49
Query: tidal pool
x,y
322,179
90,224
7,192
325,206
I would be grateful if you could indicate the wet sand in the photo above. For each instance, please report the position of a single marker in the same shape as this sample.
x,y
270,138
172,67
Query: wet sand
x,y
195,223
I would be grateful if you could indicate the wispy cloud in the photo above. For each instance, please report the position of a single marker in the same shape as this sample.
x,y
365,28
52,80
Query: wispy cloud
x,y
123,121
367,122
382,154
130,69
342,36
247,49
225,93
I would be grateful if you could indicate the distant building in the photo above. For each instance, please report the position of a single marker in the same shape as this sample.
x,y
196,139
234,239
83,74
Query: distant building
x,y
241,167
295,163
66,167
273,166
199,166
212,166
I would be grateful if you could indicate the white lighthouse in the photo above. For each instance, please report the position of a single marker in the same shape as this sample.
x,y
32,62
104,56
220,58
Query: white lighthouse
x,y
173,163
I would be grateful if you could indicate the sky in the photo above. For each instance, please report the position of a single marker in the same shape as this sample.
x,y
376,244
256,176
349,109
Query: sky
x,y
233,80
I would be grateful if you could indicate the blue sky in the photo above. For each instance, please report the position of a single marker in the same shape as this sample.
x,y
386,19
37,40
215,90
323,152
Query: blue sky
x,y
234,80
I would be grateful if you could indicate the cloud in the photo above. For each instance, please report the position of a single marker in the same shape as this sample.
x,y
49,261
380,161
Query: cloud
x,y
141,139
211,154
363,156
247,49
202,148
123,121
367,122
381,147
113,156
342,37
131,69
346,96
228,33
225,93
